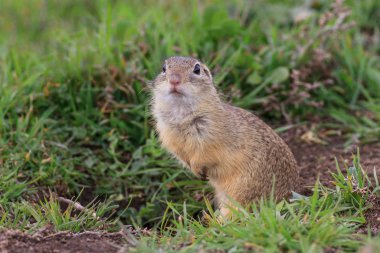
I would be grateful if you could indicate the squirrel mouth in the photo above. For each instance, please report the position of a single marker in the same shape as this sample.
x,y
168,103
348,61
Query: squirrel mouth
x,y
175,92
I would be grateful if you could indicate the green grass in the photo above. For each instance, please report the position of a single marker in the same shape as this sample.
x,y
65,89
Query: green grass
x,y
34,216
74,115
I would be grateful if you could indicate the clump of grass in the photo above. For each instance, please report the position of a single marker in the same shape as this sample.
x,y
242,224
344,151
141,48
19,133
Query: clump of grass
x,y
356,188
70,216
326,220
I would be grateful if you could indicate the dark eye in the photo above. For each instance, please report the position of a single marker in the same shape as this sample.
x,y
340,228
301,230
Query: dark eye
x,y
164,68
197,69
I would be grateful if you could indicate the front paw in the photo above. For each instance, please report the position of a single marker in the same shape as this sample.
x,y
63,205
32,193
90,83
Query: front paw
x,y
202,174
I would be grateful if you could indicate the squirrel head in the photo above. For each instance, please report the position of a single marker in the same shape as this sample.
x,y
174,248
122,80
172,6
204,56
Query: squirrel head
x,y
184,81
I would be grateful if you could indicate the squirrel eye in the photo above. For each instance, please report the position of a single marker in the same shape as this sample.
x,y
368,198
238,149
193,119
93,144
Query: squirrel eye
x,y
164,68
197,69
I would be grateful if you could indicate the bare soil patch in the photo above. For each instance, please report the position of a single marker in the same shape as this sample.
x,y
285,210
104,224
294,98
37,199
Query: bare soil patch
x,y
62,242
318,160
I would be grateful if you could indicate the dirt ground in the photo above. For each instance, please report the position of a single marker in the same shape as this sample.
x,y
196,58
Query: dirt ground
x,y
318,160
315,160
12,241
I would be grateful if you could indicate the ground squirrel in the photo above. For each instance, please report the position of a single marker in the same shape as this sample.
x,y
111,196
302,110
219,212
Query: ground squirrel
x,y
238,153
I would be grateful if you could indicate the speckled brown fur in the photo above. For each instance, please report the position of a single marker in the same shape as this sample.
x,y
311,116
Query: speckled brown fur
x,y
237,152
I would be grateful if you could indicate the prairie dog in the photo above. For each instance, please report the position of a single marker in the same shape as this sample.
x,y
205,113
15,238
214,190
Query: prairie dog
x,y
239,154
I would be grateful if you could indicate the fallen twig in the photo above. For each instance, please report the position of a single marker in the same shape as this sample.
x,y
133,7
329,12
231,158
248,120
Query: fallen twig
x,y
76,205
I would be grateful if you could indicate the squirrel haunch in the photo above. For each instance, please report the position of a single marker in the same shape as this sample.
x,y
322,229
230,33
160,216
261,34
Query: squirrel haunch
x,y
238,153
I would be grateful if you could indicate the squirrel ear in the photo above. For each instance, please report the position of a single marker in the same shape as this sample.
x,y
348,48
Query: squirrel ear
x,y
207,71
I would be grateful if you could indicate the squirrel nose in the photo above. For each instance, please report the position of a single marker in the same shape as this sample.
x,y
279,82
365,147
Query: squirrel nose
x,y
174,79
